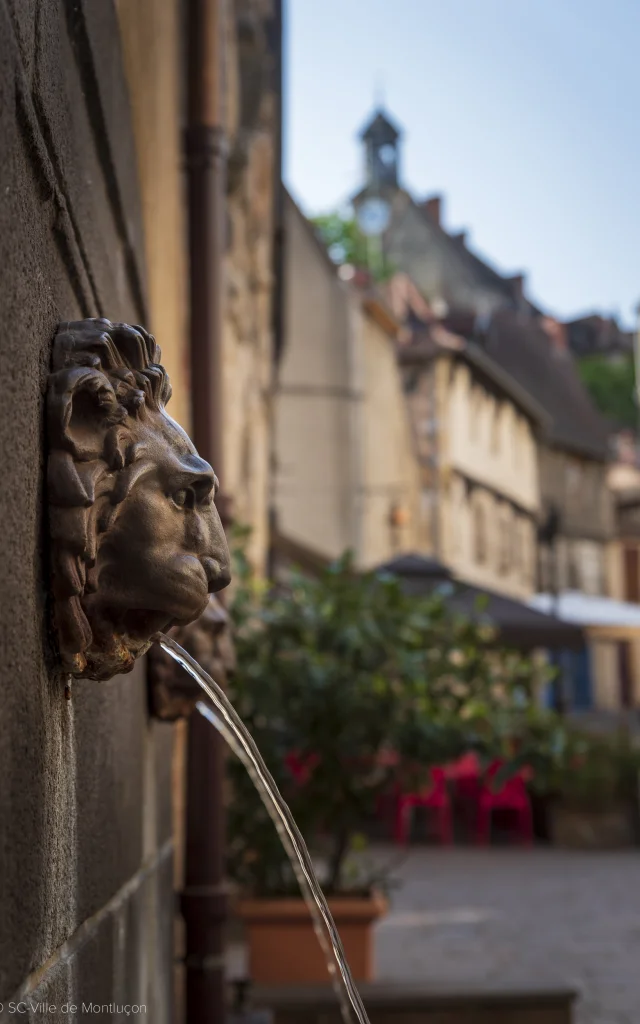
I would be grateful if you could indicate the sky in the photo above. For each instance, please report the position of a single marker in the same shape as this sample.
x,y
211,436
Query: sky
x,y
524,114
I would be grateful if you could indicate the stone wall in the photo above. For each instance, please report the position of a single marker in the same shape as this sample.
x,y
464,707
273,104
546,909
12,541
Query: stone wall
x,y
154,67
317,401
411,1004
348,478
152,48
155,75
253,176
417,246
578,487
389,502
86,847
490,490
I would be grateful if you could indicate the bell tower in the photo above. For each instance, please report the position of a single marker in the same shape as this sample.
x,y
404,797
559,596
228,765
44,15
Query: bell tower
x,y
381,138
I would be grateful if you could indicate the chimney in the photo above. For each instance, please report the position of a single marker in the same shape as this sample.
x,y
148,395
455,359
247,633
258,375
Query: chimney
x,y
433,208
556,333
460,237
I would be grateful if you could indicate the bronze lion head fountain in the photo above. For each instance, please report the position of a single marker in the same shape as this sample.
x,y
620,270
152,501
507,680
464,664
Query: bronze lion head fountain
x,y
137,545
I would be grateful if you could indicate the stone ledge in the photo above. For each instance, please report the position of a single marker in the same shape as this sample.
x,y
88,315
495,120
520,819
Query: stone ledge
x,y
412,1004
85,934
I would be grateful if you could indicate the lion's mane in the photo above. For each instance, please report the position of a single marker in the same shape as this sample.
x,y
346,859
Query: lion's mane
x,y
105,378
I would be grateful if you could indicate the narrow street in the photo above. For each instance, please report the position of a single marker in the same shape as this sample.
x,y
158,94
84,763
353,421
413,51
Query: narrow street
x,y
545,917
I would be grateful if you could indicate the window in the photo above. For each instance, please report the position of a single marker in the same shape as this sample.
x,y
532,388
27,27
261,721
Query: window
x,y
584,567
479,534
508,428
458,516
495,427
631,566
517,538
474,417
573,478
625,674
519,446
505,541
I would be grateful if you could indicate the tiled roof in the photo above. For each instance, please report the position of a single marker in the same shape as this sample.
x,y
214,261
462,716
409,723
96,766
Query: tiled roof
x,y
480,269
434,340
520,346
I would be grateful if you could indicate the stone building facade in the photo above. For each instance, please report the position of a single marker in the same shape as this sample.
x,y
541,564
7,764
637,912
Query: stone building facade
x,y
476,434
253,190
415,242
93,222
86,885
492,311
574,453
346,473
154,68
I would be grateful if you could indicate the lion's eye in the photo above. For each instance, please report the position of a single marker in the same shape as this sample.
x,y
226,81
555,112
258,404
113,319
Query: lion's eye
x,y
183,498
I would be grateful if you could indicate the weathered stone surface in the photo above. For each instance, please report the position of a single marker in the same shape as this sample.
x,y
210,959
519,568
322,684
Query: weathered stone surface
x,y
248,334
111,740
44,1005
85,792
413,1004
153,65
71,795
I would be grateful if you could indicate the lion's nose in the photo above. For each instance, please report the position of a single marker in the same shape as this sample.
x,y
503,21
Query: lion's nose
x,y
218,574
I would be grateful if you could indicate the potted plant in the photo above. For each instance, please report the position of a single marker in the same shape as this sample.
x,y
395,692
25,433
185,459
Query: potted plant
x,y
349,687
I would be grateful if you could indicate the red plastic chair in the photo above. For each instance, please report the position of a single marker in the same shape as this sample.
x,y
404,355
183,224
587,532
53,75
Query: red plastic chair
x,y
465,778
436,799
512,797
465,775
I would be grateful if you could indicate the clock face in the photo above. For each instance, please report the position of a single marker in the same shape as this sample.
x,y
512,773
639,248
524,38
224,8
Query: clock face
x,y
388,155
373,216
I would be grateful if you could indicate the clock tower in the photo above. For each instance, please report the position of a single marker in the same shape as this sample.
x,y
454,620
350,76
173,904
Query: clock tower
x,y
380,138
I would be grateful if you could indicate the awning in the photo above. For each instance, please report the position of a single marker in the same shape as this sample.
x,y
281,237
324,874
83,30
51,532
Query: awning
x,y
518,624
586,610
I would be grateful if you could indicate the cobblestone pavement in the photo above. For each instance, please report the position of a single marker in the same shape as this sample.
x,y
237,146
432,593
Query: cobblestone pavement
x,y
520,917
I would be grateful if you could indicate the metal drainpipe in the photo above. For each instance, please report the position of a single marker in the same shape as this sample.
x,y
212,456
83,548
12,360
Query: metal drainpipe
x,y
204,899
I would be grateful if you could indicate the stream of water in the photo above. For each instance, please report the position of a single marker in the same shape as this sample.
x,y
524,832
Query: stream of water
x,y
231,727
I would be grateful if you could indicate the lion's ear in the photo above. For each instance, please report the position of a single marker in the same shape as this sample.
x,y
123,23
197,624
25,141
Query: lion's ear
x,y
82,408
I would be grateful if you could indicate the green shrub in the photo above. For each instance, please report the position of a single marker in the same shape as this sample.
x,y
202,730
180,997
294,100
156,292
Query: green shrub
x,y
343,670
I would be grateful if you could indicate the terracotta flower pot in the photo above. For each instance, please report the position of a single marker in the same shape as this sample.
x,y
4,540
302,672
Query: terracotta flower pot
x,y
283,948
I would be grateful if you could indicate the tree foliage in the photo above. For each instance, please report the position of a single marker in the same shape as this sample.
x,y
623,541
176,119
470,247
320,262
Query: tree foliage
x,y
343,239
611,384
346,243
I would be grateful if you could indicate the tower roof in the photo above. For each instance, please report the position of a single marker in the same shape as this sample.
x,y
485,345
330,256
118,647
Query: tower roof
x,y
380,130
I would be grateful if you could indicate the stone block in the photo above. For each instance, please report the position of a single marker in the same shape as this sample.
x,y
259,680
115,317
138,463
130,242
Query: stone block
x,y
111,734
407,1004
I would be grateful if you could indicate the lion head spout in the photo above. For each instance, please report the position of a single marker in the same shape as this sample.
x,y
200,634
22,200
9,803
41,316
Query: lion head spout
x,y
136,542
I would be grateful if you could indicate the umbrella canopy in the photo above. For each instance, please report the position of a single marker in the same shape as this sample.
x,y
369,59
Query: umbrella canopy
x,y
518,624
